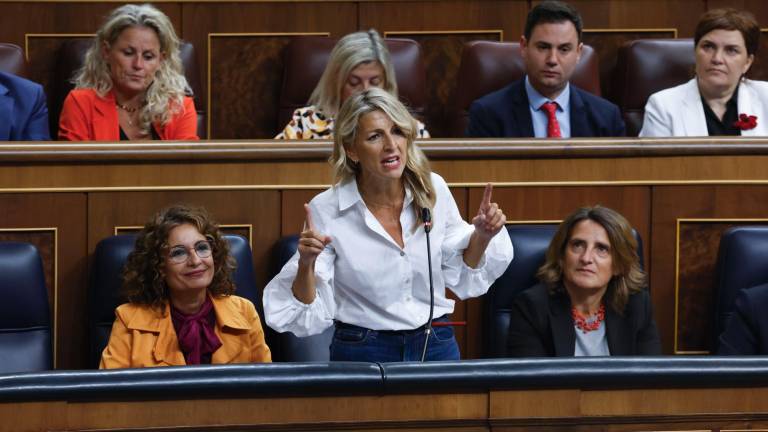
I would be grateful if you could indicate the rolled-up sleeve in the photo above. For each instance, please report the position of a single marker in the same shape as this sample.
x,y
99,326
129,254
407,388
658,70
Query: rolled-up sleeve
x,y
284,312
460,278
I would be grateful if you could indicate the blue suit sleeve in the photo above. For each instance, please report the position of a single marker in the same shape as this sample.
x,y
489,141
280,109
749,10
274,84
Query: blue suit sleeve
x,y
620,129
479,122
37,127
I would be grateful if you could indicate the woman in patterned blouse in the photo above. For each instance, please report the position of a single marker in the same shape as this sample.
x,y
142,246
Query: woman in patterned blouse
x,y
358,61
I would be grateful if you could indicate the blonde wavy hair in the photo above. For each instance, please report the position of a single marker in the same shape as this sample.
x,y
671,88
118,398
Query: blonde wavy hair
x,y
630,279
350,51
165,95
417,171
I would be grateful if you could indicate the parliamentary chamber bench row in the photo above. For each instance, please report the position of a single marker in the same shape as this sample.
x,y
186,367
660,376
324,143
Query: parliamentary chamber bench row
x,y
679,194
246,79
611,394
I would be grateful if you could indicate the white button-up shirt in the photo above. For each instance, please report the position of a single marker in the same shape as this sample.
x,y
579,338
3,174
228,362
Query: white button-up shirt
x,y
364,278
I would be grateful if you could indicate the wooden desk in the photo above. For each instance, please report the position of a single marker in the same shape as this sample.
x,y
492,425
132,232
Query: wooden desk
x,y
680,194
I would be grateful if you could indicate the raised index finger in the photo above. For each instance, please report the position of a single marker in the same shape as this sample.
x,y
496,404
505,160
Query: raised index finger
x,y
486,202
308,220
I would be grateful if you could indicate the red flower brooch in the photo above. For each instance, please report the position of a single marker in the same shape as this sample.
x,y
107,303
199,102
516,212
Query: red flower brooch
x,y
745,122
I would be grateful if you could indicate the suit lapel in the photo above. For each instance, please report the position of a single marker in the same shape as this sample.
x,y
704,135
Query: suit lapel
x,y
751,104
563,336
230,328
166,350
6,112
694,122
618,330
578,115
521,111
106,125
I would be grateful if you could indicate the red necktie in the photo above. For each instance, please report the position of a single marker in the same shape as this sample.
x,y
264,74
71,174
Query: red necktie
x,y
553,127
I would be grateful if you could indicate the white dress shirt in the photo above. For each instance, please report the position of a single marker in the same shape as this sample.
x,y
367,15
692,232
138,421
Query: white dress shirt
x,y
364,278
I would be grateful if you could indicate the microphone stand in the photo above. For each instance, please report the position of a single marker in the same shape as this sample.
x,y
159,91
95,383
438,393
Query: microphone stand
x,y
427,218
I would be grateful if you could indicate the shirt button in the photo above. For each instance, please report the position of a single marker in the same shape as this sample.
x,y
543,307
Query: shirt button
x,y
402,253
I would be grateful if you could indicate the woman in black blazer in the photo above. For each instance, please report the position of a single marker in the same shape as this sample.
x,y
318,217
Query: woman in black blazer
x,y
592,299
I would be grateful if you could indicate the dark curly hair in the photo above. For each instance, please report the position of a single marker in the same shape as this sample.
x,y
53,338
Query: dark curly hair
x,y
144,272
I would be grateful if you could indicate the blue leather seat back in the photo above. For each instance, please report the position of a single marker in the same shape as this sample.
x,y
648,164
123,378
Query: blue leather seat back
x,y
25,325
742,262
530,243
106,279
291,347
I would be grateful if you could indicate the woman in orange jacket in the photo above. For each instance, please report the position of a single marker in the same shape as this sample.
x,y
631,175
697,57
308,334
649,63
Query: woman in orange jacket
x,y
131,85
181,308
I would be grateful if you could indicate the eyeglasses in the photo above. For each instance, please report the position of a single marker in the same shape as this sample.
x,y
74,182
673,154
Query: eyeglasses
x,y
179,254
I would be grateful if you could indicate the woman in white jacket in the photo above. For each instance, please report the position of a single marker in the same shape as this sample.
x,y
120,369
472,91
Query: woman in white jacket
x,y
719,100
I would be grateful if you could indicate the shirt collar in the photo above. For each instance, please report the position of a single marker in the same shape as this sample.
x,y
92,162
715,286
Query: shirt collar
x,y
535,99
349,195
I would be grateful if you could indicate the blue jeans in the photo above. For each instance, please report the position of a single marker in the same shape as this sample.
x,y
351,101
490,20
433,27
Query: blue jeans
x,y
353,343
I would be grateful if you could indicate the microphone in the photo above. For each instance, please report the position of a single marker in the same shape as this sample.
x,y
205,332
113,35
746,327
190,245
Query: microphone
x,y
426,216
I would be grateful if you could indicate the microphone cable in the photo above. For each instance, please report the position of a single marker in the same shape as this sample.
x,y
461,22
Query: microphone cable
x,y
426,216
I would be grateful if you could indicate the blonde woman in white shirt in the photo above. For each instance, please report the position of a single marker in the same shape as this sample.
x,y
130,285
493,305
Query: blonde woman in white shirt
x,y
362,258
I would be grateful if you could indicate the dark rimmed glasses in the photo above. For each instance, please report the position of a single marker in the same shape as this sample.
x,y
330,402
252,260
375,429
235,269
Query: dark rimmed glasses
x,y
180,254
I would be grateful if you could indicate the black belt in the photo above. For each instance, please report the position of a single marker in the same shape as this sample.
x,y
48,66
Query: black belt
x,y
420,329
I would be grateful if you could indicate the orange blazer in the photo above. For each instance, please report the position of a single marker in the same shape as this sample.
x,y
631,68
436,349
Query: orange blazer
x,y
86,116
143,337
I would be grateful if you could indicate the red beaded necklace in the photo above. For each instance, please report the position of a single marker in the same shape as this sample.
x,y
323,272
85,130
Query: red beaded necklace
x,y
590,322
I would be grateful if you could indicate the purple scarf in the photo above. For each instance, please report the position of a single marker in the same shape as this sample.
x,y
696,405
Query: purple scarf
x,y
196,334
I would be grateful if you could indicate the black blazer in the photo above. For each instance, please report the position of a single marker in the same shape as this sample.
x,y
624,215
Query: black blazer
x,y
747,330
541,326
505,114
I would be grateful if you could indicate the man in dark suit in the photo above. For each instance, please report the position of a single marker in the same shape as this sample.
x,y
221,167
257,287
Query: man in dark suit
x,y
544,104
23,112
747,329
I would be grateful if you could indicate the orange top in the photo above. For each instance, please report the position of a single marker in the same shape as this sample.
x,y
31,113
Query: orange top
x,y
143,337
86,116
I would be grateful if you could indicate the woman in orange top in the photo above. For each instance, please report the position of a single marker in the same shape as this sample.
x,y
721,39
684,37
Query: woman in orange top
x,y
131,85
181,308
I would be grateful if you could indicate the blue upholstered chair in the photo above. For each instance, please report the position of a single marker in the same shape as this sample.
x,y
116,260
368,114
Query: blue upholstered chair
x,y
291,347
106,279
25,326
742,262
530,243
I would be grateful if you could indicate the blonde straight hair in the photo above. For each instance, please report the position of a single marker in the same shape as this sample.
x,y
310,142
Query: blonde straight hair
x,y
417,174
350,51
165,95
